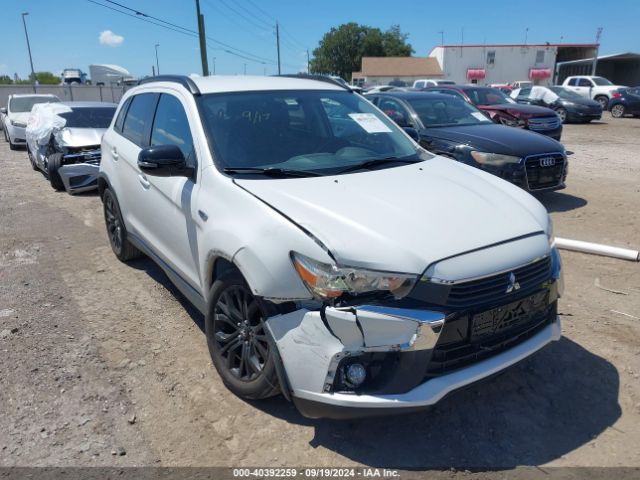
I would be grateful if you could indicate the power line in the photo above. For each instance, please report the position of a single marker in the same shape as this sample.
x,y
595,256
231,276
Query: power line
x,y
185,31
240,14
261,10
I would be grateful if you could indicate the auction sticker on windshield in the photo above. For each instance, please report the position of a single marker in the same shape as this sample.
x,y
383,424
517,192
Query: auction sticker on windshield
x,y
370,123
479,116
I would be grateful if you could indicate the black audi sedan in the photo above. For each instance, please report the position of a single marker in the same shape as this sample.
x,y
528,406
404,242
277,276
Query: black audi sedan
x,y
449,126
567,104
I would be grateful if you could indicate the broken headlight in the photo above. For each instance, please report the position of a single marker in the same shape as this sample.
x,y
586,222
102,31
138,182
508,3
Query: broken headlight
x,y
331,281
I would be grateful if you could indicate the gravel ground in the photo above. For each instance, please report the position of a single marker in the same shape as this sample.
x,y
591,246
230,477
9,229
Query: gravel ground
x,y
104,364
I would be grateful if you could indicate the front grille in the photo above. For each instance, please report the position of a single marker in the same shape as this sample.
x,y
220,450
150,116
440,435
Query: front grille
x,y
544,123
545,171
493,289
90,155
449,356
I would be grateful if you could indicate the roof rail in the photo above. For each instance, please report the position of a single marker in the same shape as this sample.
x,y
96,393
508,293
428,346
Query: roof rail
x,y
183,80
312,76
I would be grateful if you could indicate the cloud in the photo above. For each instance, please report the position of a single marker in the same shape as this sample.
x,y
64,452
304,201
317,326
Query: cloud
x,y
110,39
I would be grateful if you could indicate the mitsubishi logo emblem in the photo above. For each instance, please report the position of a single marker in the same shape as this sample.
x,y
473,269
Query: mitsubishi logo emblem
x,y
547,162
512,285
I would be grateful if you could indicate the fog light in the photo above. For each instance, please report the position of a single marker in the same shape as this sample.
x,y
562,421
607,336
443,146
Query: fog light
x,y
355,374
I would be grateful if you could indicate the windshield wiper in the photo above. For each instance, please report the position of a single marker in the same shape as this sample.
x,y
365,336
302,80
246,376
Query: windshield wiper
x,y
272,171
377,161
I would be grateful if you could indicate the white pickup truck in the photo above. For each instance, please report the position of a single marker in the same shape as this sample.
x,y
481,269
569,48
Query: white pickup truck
x,y
596,88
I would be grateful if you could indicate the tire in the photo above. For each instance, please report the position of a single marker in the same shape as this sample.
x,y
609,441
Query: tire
x,y
54,162
32,160
237,339
562,113
603,101
618,111
116,230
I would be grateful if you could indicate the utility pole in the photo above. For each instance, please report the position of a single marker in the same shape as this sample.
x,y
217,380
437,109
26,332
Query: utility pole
x,y
595,57
33,73
203,41
441,32
214,65
308,69
153,70
157,63
526,35
278,44
245,68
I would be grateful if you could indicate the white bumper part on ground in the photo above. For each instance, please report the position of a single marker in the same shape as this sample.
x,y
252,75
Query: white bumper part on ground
x,y
311,352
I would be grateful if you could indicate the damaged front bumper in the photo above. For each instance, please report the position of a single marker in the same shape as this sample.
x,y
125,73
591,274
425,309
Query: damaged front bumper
x,y
412,357
83,175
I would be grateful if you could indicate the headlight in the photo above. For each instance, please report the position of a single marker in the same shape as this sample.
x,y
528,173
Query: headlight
x,y
494,159
330,281
18,124
512,122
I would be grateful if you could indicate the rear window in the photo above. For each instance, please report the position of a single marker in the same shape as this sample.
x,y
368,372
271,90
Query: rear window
x,y
25,104
90,117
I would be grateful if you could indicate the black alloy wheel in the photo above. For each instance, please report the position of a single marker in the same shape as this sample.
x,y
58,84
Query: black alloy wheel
x,y
239,333
238,341
122,248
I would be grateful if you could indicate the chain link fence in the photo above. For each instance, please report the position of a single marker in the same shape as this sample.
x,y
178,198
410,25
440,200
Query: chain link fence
x,y
67,93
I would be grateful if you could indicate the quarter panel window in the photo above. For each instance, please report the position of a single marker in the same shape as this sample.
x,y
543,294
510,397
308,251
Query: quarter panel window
x,y
171,127
139,118
121,114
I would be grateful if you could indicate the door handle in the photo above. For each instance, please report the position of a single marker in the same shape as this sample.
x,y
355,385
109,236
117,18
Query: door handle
x,y
143,181
114,154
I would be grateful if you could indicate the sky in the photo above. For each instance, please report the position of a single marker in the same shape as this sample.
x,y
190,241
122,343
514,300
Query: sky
x,y
77,33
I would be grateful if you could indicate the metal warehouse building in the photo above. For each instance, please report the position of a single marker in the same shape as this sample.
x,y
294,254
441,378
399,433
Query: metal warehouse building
x,y
620,68
489,64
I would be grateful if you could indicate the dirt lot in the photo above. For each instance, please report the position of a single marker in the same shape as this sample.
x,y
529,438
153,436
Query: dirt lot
x,y
105,364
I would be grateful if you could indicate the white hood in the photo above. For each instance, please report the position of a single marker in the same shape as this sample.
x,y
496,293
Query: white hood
x,y
404,218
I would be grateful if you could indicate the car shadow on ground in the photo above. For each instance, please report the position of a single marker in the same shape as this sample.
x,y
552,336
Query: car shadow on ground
x,y
534,413
154,271
560,202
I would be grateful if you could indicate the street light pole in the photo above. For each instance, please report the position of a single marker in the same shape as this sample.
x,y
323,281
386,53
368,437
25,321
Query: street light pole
x,y
26,34
157,63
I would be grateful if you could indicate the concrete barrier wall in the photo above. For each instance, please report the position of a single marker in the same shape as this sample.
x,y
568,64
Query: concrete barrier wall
x,y
66,93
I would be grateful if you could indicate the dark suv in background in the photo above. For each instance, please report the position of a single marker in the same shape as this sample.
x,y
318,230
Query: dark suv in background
x,y
506,111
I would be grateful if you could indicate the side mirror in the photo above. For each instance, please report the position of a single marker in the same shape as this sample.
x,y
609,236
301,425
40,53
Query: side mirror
x,y
164,161
3,110
412,132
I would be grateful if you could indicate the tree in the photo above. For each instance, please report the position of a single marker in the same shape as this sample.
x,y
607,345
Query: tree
x,y
341,49
5,80
46,78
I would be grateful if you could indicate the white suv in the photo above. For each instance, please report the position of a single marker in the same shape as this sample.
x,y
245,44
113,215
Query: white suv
x,y
334,259
595,88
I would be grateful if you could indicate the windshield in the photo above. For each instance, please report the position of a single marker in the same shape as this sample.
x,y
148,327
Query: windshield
x,y
487,96
601,81
90,117
447,112
312,131
25,104
565,93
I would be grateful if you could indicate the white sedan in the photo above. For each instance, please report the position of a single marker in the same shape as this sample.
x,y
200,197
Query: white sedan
x,y
16,115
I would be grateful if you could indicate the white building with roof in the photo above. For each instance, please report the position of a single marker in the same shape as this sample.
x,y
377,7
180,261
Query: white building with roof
x,y
500,64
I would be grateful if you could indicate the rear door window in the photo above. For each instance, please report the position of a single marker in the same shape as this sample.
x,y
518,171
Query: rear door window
x,y
137,123
585,82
